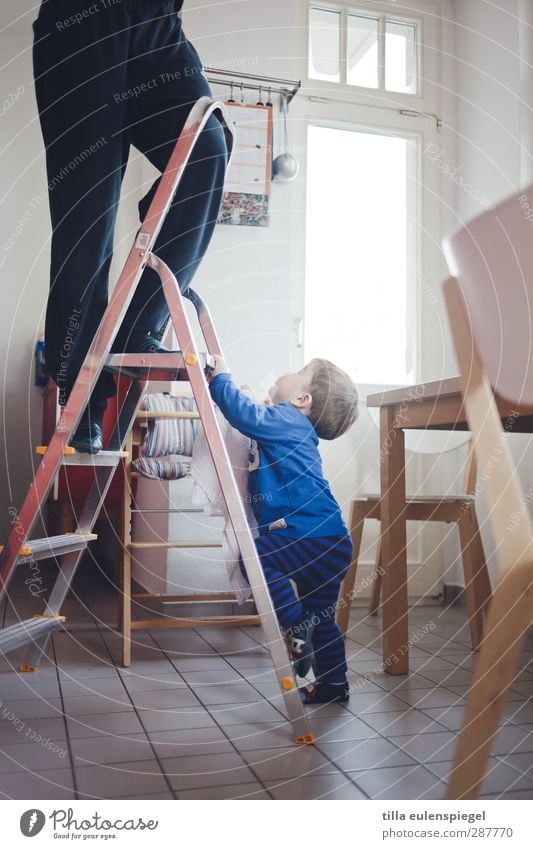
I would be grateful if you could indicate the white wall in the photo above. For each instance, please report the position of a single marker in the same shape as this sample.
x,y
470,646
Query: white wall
x,y
25,256
488,145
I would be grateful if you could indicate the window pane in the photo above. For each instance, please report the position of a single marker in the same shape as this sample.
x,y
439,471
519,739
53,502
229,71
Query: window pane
x,y
360,252
324,32
362,51
400,57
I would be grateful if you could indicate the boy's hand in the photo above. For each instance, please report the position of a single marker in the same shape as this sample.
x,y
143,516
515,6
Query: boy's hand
x,y
220,366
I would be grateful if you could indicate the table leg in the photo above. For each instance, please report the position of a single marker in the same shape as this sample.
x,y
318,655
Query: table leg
x,y
393,541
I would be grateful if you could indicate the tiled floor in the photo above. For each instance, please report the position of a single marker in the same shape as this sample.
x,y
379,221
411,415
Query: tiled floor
x,y
198,716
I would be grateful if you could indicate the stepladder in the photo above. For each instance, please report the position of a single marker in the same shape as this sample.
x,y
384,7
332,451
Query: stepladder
x,y
138,369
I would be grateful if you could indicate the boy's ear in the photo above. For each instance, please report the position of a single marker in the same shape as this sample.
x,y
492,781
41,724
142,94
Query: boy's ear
x,y
303,400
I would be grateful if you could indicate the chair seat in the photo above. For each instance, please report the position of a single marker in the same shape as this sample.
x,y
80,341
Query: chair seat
x,y
421,499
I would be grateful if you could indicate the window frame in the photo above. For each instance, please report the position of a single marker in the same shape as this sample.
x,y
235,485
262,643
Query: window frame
x,y
385,112
423,13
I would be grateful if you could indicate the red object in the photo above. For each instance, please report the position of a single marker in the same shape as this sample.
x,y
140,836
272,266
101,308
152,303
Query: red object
x,y
74,481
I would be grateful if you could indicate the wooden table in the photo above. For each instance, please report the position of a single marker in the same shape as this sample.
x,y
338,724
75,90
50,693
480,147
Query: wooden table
x,y
437,405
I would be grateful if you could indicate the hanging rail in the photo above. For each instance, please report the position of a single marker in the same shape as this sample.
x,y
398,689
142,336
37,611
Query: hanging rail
x,y
255,82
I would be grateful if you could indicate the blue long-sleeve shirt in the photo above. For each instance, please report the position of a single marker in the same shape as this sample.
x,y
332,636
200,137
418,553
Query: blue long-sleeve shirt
x,y
288,491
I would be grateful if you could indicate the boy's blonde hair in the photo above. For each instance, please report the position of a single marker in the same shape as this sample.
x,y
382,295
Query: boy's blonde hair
x,y
334,406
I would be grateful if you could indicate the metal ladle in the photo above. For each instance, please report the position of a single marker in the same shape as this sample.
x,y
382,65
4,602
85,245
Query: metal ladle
x,y
285,166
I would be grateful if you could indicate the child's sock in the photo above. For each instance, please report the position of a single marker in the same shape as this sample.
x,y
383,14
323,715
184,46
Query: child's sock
x,y
299,642
322,693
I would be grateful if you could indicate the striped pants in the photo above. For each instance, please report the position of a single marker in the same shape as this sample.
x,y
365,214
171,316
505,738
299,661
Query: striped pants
x,y
317,567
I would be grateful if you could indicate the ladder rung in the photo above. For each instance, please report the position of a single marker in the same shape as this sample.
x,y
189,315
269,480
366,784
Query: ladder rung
x,y
71,457
39,549
103,458
186,543
24,632
157,366
169,509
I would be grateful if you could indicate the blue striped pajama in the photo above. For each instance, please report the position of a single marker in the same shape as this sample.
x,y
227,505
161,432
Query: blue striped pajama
x,y
317,566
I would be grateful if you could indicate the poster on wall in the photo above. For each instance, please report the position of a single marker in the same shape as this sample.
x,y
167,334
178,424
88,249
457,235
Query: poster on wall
x,y
245,200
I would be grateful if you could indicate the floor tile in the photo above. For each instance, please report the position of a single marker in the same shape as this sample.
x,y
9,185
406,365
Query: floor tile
x,y
165,700
31,689
207,771
110,750
240,714
25,731
18,757
150,796
513,739
437,746
242,792
82,705
114,781
409,721
272,735
362,703
225,694
499,777
294,762
517,713
315,787
191,663
151,683
110,686
189,742
518,794
48,784
332,729
365,754
522,762
400,783
114,724
434,698
170,720
28,709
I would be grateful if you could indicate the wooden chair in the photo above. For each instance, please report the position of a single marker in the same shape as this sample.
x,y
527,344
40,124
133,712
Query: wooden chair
x,y
489,302
460,509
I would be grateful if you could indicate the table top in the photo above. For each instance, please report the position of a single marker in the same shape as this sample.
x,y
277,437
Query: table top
x,y
435,389
438,405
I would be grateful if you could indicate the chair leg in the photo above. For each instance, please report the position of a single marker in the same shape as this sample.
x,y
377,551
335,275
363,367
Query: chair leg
x,y
125,598
510,615
474,601
346,592
125,616
375,593
482,576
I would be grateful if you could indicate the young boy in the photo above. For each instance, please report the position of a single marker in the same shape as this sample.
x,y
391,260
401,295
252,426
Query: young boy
x,y
303,537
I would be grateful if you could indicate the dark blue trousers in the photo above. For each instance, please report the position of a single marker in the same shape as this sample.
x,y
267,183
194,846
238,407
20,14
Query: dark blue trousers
x,y
109,75
317,567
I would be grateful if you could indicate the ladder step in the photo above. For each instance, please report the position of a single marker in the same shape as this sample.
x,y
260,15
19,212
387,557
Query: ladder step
x,y
71,457
40,549
23,632
186,543
103,458
151,366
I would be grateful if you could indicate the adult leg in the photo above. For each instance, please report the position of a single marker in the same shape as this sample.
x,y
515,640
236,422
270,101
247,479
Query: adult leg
x,y
77,68
167,60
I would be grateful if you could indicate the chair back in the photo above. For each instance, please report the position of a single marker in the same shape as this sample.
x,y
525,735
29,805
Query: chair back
x,y
492,258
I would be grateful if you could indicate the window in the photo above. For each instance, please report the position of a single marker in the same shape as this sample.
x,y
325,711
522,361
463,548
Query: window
x,y
361,251
375,51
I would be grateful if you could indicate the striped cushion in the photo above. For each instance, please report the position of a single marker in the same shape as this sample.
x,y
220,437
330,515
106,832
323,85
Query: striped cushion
x,y
168,468
169,436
